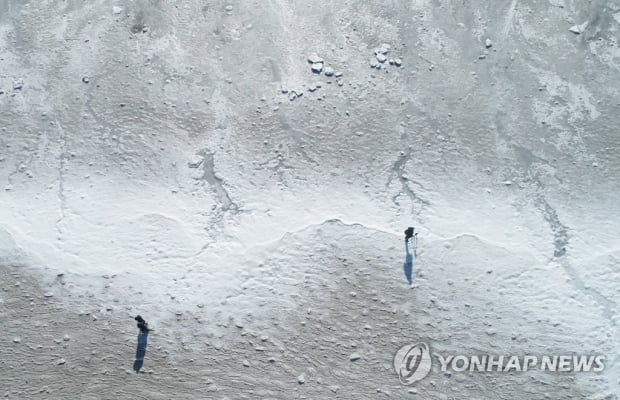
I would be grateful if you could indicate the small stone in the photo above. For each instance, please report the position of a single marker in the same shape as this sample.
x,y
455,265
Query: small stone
x,y
373,63
62,361
66,338
329,71
577,29
315,59
398,62
229,8
16,340
384,49
117,10
338,74
482,56
354,357
301,379
246,363
85,79
18,84
195,161
317,68
49,294
292,96
339,82
488,43
381,58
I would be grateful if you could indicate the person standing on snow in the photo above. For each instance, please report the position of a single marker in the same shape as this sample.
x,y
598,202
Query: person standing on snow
x,y
409,233
142,324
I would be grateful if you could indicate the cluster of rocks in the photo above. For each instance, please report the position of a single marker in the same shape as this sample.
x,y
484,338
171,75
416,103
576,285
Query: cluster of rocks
x,y
382,56
317,66
316,63
293,94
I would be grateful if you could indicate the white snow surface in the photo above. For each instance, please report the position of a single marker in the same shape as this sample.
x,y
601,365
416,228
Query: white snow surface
x,y
262,238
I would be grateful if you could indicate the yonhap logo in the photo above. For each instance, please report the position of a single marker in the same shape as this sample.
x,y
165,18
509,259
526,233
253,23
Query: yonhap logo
x,y
412,363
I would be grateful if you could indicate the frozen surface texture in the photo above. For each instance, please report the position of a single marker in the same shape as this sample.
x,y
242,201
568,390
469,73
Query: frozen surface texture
x,y
240,174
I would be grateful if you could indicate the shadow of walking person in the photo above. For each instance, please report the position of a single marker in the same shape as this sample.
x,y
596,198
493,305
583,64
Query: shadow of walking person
x,y
408,265
140,351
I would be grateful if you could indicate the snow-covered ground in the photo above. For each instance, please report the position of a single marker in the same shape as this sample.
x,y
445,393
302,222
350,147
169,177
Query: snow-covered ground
x,y
182,161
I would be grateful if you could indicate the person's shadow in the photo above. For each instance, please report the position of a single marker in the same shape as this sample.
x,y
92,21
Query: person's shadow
x,y
140,351
408,265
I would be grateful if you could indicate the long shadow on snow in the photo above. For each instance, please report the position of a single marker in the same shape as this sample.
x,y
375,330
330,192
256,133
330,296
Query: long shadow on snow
x,y
140,351
408,265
